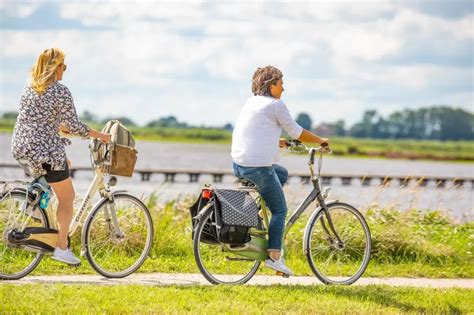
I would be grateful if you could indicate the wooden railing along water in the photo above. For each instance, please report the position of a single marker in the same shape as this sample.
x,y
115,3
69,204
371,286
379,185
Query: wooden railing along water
x,y
345,179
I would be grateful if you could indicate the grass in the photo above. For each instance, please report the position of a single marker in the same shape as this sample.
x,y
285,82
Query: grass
x,y
55,298
405,244
404,148
194,135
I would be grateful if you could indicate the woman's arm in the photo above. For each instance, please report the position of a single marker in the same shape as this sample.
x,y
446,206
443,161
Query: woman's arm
x,y
70,123
308,136
104,137
69,118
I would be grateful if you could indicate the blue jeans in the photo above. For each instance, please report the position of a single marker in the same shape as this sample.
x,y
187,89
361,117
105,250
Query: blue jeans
x,y
269,181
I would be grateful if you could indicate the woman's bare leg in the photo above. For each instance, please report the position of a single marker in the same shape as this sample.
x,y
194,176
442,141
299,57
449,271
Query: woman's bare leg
x,y
64,191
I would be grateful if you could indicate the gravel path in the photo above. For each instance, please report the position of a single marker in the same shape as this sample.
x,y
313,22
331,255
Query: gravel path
x,y
197,279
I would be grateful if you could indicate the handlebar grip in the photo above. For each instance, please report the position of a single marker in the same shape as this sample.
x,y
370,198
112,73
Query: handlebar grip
x,y
293,142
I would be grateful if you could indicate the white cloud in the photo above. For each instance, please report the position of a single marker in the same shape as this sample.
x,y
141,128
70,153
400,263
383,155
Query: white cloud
x,y
419,77
186,58
20,9
363,44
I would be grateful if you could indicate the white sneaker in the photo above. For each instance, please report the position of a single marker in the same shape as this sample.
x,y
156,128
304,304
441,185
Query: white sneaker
x,y
278,265
65,256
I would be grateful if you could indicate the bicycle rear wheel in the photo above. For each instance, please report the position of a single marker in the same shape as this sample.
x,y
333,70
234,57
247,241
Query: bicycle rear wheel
x,y
336,263
217,265
117,251
16,263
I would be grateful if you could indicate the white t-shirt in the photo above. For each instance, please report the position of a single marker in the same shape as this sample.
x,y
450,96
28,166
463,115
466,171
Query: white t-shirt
x,y
255,140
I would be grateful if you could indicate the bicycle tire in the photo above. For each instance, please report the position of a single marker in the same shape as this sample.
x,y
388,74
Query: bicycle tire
x,y
101,267
21,194
212,278
314,222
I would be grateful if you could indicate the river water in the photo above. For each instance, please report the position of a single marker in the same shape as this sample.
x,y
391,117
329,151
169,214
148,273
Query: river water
x,y
457,202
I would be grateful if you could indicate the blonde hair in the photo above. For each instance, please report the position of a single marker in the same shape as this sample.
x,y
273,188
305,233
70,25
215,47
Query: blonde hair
x,y
263,78
43,72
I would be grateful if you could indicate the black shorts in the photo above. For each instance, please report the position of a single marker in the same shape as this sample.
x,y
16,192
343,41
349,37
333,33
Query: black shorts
x,y
53,176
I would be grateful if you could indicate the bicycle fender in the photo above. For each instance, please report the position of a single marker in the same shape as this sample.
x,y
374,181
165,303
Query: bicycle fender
x,y
311,218
119,192
16,189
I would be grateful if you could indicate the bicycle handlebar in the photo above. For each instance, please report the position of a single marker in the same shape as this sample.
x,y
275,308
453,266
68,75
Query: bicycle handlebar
x,y
323,149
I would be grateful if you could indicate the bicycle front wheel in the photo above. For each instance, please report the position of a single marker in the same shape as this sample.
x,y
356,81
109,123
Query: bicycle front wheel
x,y
218,265
118,236
335,263
15,263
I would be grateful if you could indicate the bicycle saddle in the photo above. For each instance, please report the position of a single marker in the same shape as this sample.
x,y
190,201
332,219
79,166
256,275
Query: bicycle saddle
x,y
245,185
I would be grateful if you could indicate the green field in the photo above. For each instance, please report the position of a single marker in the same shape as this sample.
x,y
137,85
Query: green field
x,y
55,298
342,146
409,244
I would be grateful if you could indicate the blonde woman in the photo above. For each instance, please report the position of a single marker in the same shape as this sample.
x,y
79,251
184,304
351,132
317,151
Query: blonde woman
x,y
46,106
255,150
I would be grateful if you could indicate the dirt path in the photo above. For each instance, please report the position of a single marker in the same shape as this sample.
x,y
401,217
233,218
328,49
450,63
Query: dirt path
x,y
197,279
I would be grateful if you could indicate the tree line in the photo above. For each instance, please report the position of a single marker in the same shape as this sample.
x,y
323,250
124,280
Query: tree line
x,y
436,123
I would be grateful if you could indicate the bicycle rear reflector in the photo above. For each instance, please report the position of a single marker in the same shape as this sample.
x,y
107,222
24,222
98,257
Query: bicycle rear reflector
x,y
206,194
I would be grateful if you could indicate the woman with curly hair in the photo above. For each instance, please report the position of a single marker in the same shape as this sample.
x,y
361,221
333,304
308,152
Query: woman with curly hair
x,y
46,106
255,150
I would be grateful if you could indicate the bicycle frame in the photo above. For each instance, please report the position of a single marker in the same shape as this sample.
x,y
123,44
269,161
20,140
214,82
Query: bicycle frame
x,y
317,194
97,184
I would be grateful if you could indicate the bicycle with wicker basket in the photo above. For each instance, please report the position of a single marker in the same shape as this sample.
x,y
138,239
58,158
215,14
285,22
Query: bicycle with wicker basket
x,y
117,233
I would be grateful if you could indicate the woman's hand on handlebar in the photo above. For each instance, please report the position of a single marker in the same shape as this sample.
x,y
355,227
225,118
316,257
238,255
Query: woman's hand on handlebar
x,y
102,136
283,143
324,142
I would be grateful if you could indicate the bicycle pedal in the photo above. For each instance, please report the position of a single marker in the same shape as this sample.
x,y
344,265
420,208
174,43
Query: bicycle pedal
x,y
74,265
284,275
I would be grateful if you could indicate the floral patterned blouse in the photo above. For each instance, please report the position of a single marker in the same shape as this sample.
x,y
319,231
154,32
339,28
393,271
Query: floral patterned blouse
x,y
36,138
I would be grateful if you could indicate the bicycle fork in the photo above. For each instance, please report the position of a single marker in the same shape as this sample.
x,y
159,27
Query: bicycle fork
x,y
110,214
339,243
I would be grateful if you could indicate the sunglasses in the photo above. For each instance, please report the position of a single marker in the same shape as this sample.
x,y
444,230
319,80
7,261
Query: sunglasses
x,y
64,67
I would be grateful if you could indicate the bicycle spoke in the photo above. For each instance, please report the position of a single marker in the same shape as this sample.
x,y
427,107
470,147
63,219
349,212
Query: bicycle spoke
x,y
360,252
326,263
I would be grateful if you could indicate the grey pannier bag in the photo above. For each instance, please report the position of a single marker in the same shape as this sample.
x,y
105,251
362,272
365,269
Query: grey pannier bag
x,y
121,156
238,213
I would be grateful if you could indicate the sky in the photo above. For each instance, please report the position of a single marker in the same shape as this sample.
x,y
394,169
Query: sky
x,y
195,60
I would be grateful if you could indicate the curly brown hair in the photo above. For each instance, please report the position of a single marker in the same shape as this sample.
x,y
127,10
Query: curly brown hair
x,y
263,78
